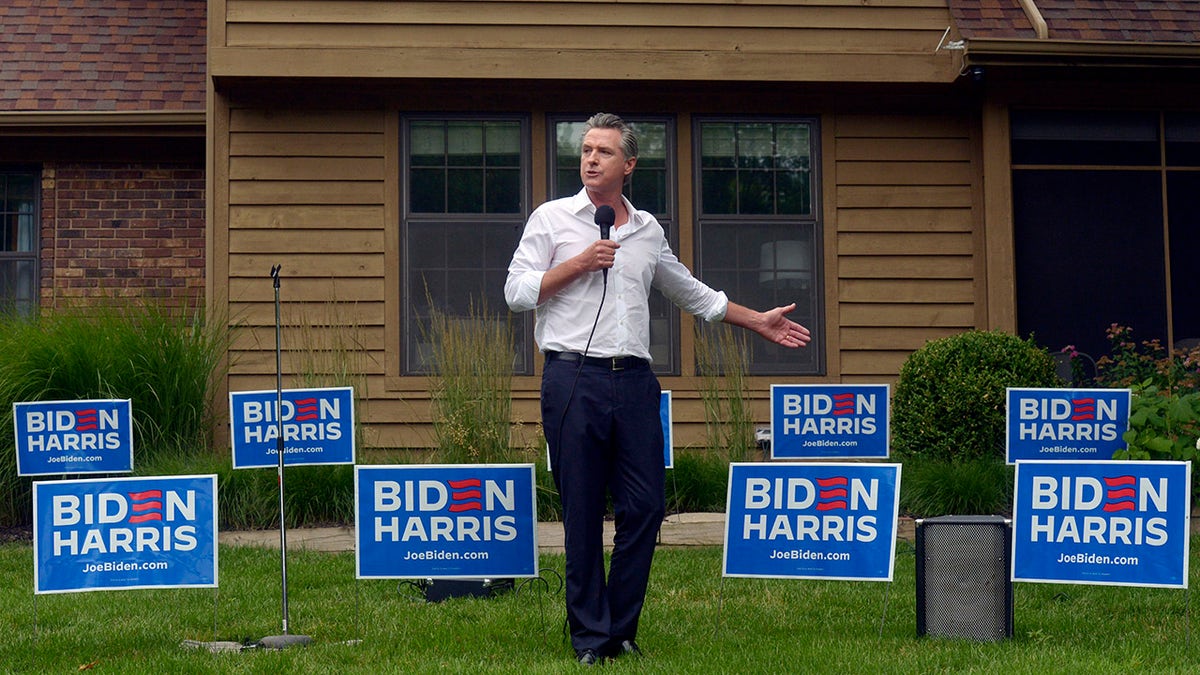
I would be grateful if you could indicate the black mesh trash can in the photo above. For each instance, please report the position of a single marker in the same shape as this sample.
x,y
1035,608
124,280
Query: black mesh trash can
x,y
964,586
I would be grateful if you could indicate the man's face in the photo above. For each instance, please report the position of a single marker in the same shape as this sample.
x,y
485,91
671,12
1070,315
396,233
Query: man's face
x,y
602,165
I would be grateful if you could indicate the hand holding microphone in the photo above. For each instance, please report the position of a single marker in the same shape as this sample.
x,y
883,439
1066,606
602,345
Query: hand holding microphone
x,y
605,217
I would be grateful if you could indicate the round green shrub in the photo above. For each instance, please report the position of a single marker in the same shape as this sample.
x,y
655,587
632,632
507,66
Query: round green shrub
x,y
950,397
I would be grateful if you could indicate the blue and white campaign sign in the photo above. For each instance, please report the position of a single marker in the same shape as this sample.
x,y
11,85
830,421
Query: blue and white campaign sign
x,y
1110,523
810,421
318,427
664,414
445,521
1065,424
125,533
61,437
812,521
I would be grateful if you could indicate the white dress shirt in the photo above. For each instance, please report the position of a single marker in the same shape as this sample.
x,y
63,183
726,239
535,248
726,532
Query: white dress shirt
x,y
561,229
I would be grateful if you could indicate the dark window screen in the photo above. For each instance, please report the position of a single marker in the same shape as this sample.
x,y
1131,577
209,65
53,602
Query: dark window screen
x,y
1089,252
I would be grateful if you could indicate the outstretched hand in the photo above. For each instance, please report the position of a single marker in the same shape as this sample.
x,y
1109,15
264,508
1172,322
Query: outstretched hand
x,y
776,327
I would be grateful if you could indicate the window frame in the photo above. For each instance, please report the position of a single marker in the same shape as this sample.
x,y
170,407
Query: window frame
x,y
814,357
32,256
523,323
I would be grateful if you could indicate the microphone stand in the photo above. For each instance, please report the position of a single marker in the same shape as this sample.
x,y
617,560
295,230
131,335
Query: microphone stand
x,y
285,640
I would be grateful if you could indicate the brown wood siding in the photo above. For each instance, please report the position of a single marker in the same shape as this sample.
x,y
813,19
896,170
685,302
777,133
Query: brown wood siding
x,y
307,191
764,40
907,266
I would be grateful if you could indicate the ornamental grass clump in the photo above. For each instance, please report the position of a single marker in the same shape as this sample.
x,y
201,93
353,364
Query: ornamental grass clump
x,y
164,359
471,365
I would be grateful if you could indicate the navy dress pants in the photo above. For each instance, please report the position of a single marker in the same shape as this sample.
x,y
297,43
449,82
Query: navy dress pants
x,y
606,440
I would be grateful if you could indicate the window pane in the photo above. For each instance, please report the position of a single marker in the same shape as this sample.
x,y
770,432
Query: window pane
x,y
503,143
755,192
1071,229
427,191
464,143
1183,139
717,146
503,191
719,192
756,147
1085,137
427,144
1183,205
464,190
18,287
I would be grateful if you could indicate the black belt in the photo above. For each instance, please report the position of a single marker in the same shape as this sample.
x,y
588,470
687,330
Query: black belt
x,y
610,362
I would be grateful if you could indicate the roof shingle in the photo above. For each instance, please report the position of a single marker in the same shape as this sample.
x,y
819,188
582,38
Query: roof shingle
x,y
102,55
1145,21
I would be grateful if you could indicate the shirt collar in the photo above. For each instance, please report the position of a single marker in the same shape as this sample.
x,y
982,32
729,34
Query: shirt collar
x,y
583,207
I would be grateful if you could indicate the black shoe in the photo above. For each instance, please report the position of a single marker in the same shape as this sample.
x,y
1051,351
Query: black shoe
x,y
587,657
628,648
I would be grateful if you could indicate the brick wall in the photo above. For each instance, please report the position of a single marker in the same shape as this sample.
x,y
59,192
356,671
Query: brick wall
x,y
125,230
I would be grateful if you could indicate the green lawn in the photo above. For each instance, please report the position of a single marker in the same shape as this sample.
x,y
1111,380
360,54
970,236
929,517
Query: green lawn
x,y
694,622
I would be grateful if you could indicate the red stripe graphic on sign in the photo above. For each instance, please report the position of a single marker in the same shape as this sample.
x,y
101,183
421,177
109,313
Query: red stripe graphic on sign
x,y
306,409
85,420
466,499
843,404
1120,494
144,517
1083,409
148,494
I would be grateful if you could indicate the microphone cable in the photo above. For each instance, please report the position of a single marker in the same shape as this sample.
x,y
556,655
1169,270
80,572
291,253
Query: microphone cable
x,y
604,218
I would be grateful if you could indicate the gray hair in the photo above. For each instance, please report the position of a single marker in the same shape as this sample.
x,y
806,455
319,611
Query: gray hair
x,y
629,143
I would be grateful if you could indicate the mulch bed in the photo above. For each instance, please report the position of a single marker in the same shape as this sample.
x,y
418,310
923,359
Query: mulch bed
x,y
8,534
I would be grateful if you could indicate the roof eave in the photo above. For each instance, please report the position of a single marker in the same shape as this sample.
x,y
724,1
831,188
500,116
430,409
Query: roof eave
x,y
76,123
1035,52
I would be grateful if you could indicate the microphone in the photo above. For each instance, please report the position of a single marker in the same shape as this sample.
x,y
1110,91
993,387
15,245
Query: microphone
x,y
605,217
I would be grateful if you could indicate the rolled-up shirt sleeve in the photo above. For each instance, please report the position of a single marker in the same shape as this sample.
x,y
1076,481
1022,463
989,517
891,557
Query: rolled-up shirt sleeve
x,y
529,264
676,282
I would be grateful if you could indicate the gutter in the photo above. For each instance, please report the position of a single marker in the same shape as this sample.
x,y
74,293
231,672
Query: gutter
x,y
1044,52
74,122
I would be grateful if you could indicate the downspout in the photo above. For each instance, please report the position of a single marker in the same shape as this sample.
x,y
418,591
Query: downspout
x,y
1035,18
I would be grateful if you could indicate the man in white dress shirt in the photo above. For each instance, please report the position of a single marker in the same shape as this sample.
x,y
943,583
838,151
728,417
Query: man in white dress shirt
x,y
599,398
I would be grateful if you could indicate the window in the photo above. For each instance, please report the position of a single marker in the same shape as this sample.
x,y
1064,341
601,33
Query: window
x,y
758,225
1098,196
466,203
18,241
650,188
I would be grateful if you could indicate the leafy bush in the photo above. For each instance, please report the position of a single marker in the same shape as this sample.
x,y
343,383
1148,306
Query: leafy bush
x,y
1132,363
1162,424
1164,415
950,397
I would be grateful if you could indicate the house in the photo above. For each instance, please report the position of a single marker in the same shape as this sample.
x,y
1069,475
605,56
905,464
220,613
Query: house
x,y
102,108
904,170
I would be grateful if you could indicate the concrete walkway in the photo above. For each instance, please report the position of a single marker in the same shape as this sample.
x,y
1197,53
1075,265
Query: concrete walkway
x,y
678,529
